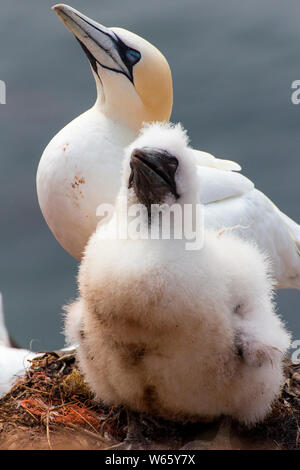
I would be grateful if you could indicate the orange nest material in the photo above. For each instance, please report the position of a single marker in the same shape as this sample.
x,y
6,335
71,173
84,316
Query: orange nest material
x,y
70,413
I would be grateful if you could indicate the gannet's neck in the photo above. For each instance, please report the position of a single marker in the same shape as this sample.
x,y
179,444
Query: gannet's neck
x,y
118,133
123,109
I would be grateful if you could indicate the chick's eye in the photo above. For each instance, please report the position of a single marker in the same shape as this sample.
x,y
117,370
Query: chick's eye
x,y
133,56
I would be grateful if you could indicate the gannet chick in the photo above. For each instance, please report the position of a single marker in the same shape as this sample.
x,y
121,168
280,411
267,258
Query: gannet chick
x,y
168,331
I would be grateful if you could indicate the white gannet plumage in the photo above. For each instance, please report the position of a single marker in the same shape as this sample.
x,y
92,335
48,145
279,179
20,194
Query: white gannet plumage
x,y
4,336
80,167
232,201
13,362
134,85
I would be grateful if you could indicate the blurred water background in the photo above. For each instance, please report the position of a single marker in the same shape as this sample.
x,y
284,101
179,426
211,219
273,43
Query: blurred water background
x,y
233,63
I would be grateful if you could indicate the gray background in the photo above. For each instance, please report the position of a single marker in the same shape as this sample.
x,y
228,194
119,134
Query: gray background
x,y
233,63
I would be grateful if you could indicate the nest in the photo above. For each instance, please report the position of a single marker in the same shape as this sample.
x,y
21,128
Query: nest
x,y
51,407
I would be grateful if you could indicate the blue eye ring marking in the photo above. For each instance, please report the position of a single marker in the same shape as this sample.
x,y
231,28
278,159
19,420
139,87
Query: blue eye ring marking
x,y
129,56
133,56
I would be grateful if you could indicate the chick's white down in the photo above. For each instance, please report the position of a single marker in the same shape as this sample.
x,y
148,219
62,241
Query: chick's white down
x,y
176,333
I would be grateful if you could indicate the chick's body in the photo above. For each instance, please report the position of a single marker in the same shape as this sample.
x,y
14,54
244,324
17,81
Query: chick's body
x,y
164,330
160,328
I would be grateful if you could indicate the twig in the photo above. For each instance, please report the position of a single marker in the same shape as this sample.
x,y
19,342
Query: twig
x,y
82,417
35,390
31,414
48,431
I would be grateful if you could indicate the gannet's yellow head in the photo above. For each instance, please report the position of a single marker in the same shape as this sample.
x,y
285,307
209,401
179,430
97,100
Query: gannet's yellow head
x,y
133,78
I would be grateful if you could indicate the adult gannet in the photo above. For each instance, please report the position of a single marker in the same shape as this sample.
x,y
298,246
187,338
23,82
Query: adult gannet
x,y
80,167
13,362
163,330
134,85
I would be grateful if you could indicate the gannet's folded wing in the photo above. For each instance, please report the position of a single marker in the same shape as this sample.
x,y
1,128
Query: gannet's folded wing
x,y
294,229
216,185
206,159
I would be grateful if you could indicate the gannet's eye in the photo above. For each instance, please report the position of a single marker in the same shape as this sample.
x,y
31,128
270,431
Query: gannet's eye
x,y
133,56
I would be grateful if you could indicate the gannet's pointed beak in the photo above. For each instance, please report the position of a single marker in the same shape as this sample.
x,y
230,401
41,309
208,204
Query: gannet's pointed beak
x,y
101,45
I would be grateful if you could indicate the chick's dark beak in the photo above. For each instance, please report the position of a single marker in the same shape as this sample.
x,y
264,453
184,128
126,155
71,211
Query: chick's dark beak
x,y
153,175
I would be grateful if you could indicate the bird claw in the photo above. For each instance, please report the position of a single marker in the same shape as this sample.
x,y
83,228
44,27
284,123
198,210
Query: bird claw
x,y
220,442
134,439
198,445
